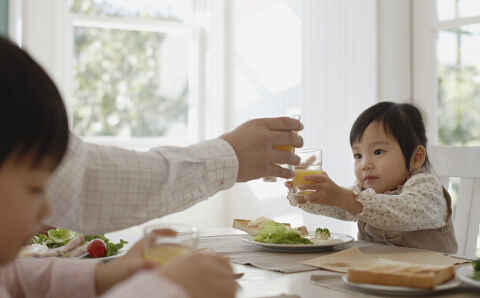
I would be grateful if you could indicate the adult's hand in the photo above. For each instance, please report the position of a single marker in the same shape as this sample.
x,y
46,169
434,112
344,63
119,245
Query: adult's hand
x,y
253,143
202,275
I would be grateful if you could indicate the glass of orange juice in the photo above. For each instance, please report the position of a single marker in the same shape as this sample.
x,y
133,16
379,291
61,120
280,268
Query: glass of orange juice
x,y
284,148
310,164
164,242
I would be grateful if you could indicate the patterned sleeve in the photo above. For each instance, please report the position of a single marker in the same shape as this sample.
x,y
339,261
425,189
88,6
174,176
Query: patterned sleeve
x,y
419,205
98,189
319,209
58,278
50,277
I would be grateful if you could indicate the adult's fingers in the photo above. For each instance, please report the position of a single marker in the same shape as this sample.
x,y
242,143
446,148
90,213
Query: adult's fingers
x,y
287,138
282,123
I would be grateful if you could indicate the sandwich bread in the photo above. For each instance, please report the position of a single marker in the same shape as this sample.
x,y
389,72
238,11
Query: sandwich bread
x,y
385,272
253,226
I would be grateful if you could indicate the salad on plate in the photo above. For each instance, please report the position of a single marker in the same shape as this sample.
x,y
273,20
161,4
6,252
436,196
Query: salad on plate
x,y
59,242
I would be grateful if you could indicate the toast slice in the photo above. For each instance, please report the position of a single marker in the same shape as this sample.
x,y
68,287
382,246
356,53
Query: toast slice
x,y
252,227
385,272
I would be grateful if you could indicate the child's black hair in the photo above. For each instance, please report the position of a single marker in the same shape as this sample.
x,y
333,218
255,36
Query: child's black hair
x,y
33,119
402,121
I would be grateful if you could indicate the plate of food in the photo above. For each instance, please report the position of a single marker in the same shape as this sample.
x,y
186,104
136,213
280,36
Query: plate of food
x,y
58,242
282,237
470,274
386,277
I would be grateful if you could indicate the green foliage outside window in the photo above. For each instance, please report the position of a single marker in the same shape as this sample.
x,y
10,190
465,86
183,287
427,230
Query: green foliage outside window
x,y
459,105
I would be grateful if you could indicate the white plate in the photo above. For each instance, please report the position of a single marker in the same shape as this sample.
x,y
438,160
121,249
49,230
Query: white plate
x,y
402,291
119,253
465,274
299,247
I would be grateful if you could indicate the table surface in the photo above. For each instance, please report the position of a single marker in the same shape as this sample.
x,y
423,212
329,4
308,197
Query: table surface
x,y
256,283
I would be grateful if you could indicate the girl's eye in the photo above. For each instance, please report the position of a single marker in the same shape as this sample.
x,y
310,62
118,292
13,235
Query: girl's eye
x,y
378,152
357,156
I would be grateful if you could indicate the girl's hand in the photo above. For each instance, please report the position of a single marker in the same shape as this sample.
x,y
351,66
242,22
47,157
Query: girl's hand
x,y
329,193
326,191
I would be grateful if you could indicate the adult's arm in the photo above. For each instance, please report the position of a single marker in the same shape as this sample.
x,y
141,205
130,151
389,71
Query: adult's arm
x,y
98,189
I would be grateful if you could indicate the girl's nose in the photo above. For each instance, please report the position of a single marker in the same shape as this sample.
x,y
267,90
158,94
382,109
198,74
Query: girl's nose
x,y
366,165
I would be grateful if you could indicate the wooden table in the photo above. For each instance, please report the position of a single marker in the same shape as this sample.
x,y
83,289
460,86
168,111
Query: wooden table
x,y
258,283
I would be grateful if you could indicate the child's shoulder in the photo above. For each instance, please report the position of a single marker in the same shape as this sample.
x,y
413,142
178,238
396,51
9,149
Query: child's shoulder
x,y
422,177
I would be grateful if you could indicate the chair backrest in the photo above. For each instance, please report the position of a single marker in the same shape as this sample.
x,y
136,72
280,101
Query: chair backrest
x,y
463,164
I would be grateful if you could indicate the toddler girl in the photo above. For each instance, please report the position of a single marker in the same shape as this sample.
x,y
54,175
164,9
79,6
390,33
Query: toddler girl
x,y
395,199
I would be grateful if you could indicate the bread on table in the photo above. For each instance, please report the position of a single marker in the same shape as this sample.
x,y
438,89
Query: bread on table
x,y
253,226
385,272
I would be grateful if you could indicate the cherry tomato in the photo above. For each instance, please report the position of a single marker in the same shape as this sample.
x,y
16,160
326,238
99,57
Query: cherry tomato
x,y
97,248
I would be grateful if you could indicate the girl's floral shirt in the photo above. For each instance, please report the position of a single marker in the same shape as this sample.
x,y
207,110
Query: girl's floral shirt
x,y
418,204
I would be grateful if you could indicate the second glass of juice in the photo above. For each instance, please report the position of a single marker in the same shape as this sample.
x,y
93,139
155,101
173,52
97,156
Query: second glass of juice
x,y
310,164
166,241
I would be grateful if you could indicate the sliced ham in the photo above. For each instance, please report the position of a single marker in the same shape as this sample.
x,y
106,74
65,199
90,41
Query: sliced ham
x,y
79,250
52,252
73,243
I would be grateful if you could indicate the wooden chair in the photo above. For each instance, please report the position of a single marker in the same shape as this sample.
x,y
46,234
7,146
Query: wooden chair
x,y
461,165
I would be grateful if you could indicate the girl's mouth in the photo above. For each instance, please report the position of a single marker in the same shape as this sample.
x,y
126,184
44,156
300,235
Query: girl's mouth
x,y
369,178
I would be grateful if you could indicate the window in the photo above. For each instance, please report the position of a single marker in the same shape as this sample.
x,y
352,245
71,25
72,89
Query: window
x,y
128,70
448,43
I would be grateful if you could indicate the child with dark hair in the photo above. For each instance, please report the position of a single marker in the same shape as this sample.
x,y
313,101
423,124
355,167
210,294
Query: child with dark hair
x,y
396,200
33,141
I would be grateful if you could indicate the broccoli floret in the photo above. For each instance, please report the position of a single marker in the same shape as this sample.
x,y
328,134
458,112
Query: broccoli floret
x,y
323,234
476,269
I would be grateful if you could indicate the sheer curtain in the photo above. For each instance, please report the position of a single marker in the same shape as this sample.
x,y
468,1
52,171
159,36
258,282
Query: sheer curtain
x,y
317,58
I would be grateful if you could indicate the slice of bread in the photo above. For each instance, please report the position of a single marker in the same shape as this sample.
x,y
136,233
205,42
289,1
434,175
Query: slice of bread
x,y
252,227
242,225
385,272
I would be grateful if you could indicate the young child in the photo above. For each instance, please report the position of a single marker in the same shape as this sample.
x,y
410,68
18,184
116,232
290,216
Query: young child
x,y
395,200
33,140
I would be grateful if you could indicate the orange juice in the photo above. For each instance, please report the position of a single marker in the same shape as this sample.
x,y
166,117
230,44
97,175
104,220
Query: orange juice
x,y
300,176
286,148
164,253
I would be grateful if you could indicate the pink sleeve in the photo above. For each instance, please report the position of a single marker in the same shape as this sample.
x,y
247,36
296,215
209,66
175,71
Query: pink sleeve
x,y
51,277
146,284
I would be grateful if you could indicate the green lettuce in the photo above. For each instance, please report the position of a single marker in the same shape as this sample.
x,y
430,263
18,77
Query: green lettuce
x,y
276,233
56,237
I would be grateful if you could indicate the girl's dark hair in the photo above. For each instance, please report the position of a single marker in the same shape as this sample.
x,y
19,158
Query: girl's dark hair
x,y
33,119
402,121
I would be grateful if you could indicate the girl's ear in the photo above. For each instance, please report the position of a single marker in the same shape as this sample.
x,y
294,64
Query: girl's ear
x,y
418,158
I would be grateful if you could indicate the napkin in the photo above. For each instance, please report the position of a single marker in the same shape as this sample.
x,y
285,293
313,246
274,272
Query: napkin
x,y
341,261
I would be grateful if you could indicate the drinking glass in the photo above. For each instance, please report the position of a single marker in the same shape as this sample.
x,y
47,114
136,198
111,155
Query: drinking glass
x,y
166,241
310,164
283,148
